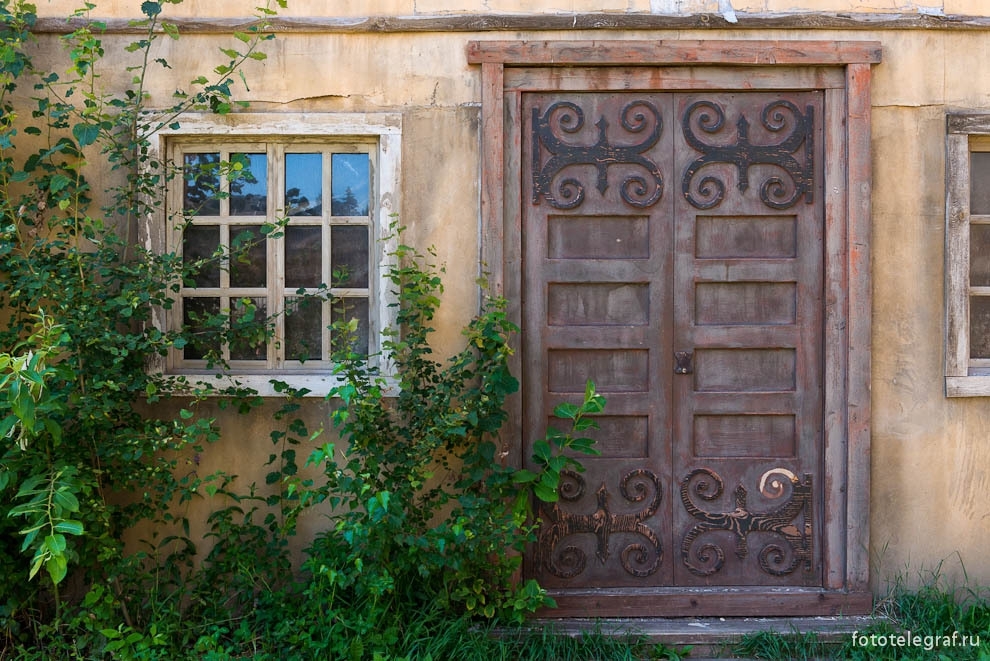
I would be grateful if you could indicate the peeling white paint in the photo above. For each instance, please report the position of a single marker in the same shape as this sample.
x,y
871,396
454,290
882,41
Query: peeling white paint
x,y
728,13
665,6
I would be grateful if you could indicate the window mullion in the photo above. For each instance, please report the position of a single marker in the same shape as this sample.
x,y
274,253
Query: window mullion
x,y
276,261
326,273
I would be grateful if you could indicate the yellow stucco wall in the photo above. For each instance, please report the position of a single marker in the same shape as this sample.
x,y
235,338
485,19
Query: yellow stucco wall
x,y
931,455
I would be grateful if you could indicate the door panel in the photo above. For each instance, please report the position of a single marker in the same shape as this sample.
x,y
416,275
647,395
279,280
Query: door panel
x,y
672,253
747,308
597,287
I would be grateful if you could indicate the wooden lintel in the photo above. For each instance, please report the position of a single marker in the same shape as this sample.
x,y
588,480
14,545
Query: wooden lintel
x,y
966,123
652,53
518,22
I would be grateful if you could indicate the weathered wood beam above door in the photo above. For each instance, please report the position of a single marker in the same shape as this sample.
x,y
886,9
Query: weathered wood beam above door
x,y
651,53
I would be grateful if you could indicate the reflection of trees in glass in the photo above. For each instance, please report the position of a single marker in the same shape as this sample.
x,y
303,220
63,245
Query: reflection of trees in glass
x,y
299,205
201,173
347,205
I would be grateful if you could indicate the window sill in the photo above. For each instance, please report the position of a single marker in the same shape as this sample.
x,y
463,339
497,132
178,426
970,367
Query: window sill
x,y
967,386
316,385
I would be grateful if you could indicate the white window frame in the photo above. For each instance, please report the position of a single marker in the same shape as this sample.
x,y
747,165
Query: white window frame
x,y
385,131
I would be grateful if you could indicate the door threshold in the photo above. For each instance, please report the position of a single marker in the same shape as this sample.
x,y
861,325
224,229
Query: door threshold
x,y
710,637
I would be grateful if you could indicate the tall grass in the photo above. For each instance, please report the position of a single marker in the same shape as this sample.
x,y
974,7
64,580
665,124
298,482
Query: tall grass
x,y
930,619
438,638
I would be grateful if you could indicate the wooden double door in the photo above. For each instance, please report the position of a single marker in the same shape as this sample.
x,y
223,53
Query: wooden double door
x,y
672,253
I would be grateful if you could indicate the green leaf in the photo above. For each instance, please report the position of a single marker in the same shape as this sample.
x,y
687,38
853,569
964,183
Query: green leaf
x,y
70,528
551,479
55,544
7,426
566,410
57,567
545,494
523,476
151,9
584,446
58,183
542,451
66,500
597,405
39,562
585,424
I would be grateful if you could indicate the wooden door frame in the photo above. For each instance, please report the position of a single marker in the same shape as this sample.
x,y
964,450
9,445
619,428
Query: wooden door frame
x,y
842,71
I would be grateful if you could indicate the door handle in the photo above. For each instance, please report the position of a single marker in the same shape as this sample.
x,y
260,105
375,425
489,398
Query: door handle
x,y
683,362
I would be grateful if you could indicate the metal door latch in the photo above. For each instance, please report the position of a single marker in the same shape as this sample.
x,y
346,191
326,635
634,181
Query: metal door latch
x,y
683,362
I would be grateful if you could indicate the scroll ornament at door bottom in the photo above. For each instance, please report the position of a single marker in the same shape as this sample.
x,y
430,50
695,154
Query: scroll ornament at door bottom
x,y
640,559
778,558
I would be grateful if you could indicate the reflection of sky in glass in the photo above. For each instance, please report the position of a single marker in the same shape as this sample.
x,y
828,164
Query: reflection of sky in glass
x,y
304,184
350,172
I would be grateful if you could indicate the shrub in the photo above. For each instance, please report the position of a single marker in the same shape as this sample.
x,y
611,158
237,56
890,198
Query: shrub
x,y
426,525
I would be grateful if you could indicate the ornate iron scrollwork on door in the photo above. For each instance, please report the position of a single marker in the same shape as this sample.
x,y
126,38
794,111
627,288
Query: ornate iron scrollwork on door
x,y
638,190
774,191
773,557
638,559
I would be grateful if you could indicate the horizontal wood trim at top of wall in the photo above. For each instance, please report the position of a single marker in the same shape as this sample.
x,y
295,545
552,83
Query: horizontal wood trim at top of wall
x,y
517,22
714,52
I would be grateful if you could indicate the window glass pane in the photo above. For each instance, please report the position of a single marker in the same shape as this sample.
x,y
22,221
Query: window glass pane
x,y
349,255
201,184
304,184
979,183
304,329
248,256
202,337
346,309
349,186
249,184
303,257
198,243
248,329
979,327
979,255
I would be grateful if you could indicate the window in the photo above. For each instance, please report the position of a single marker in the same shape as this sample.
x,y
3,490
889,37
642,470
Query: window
x,y
967,256
303,203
